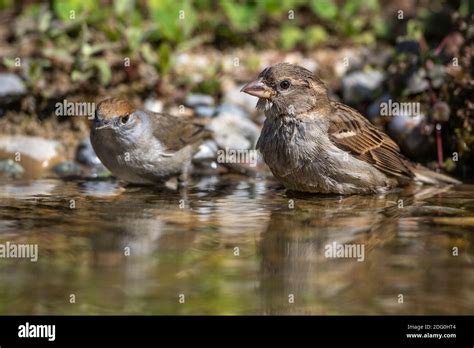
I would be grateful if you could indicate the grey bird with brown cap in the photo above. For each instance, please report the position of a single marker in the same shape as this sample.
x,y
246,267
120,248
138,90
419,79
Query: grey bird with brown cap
x,y
143,147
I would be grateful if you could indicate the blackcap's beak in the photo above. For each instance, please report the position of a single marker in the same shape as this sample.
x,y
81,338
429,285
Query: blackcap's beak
x,y
258,89
101,123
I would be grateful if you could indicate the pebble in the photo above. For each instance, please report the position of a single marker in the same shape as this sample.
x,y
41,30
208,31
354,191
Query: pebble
x,y
67,169
231,109
234,132
154,105
38,149
85,154
194,100
245,101
10,168
204,111
207,150
361,85
373,111
11,85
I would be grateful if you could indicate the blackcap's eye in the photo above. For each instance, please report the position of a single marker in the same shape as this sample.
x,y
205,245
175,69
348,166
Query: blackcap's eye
x,y
124,119
285,84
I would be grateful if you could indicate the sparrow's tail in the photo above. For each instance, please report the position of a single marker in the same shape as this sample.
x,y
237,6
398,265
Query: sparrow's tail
x,y
427,176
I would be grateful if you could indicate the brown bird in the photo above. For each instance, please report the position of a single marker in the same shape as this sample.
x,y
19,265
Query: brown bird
x,y
143,147
314,144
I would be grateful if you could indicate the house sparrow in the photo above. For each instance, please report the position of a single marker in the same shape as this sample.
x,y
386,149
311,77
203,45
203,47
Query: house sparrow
x,y
142,147
314,144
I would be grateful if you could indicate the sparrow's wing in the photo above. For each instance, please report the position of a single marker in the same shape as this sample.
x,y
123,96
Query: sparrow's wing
x,y
352,132
176,132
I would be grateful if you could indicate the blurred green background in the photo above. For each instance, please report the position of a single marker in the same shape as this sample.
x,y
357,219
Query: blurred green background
x,y
87,49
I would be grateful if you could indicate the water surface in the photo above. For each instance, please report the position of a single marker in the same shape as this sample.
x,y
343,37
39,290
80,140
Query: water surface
x,y
234,245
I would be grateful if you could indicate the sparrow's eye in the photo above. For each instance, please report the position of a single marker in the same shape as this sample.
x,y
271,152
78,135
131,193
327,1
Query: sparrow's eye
x,y
124,119
285,84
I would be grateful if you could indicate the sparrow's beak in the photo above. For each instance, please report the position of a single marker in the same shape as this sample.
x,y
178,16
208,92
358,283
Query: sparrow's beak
x,y
258,89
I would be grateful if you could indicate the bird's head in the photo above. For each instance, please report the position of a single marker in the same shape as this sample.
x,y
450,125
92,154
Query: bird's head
x,y
118,120
287,89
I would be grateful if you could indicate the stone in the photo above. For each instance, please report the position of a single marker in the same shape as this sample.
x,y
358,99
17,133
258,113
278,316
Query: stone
x,y
86,155
67,169
244,100
234,132
207,150
35,154
154,105
37,148
231,109
11,169
204,111
11,85
194,100
362,85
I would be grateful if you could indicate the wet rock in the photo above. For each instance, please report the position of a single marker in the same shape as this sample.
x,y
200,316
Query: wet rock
x,y
194,100
245,101
234,132
67,169
362,85
36,155
11,169
154,105
39,149
11,85
204,111
85,154
99,172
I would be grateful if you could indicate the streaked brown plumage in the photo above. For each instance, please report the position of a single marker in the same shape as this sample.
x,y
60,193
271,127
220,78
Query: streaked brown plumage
x,y
314,144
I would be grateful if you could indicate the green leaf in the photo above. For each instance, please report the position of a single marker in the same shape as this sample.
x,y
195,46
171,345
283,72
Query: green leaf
x,y
105,73
175,19
164,53
324,8
290,36
243,17
44,20
316,34
73,9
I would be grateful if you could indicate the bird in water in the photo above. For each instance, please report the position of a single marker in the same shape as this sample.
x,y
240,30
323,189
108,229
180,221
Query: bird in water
x,y
143,147
314,144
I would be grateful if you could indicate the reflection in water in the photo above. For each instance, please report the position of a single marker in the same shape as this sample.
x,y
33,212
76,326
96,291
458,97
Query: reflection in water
x,y
234,245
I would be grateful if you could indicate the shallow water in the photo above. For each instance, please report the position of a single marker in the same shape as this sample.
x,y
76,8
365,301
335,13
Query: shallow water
x,y
185,243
